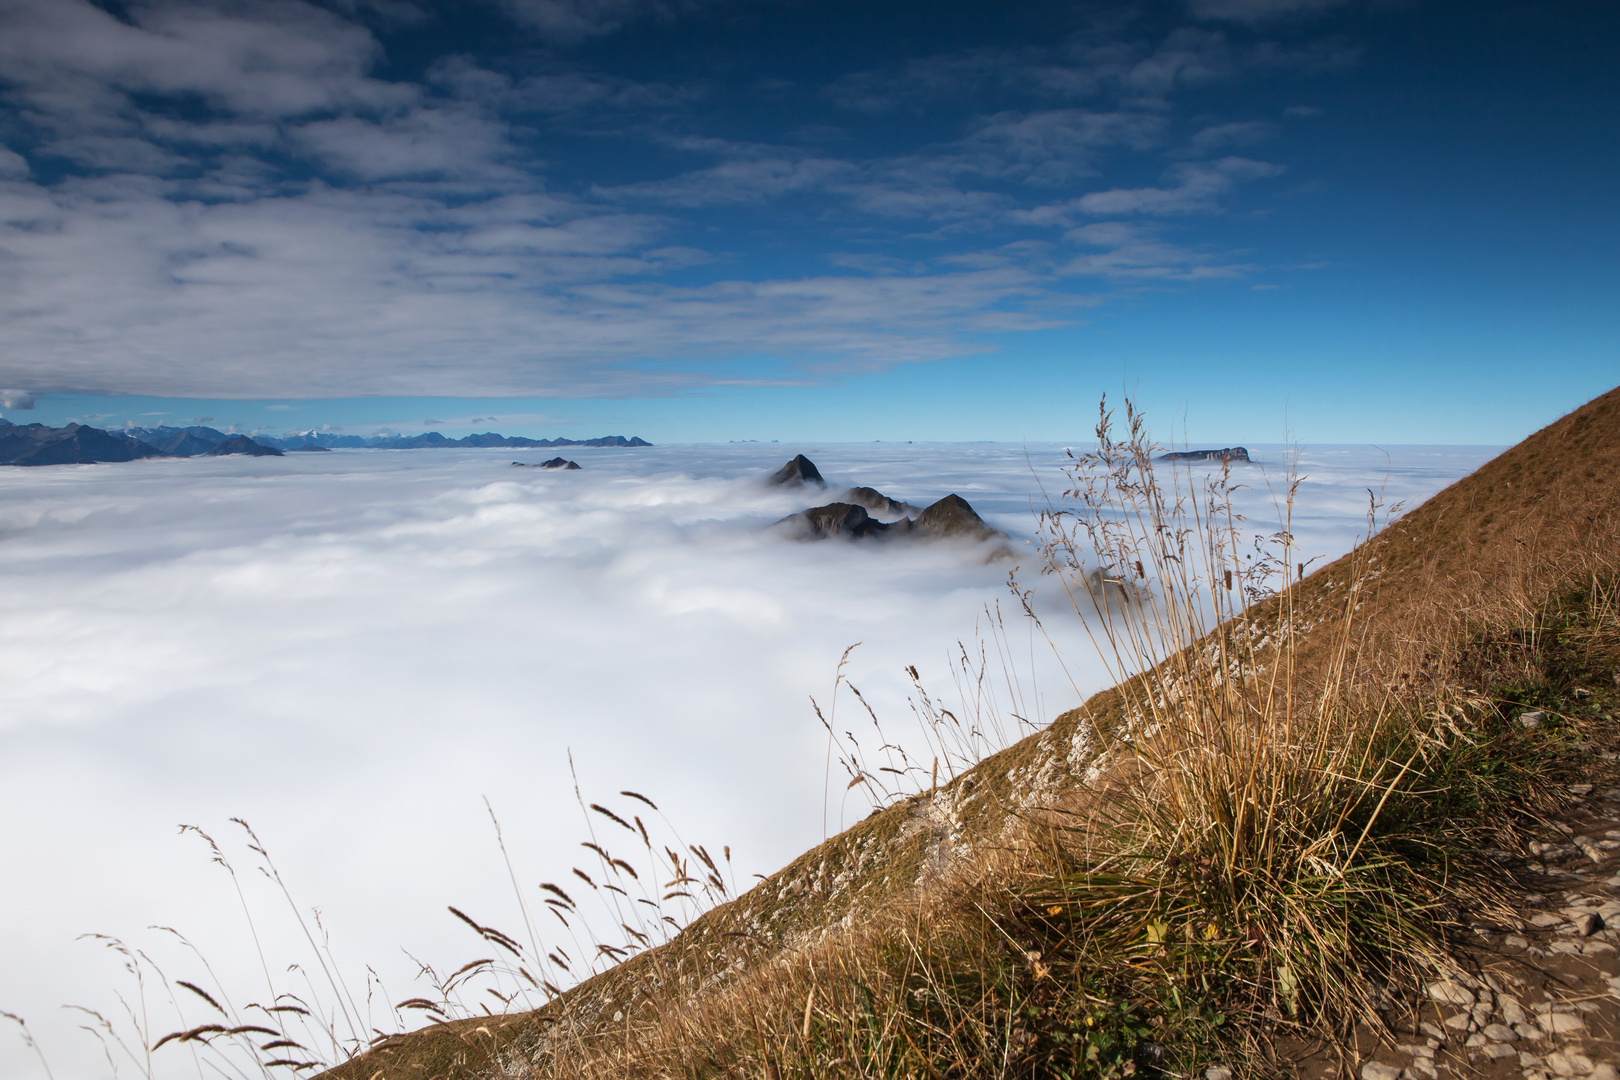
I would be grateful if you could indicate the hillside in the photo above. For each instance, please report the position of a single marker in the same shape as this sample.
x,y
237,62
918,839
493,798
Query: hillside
x,y
1539,518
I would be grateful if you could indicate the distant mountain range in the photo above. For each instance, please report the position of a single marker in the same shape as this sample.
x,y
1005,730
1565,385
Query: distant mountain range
x,y
78,444
427,440
36,444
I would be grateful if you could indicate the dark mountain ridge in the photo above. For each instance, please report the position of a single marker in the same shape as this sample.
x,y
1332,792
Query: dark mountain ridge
x,y
75,444
79,444
430,440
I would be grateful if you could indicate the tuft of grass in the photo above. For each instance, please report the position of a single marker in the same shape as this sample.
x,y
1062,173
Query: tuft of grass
x,y
1293,825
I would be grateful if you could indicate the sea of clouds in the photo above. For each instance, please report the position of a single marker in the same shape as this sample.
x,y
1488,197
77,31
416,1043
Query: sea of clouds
x,y
353,650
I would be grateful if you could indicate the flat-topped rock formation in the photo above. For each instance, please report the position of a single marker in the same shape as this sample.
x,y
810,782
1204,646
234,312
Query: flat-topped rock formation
x,y
1228,453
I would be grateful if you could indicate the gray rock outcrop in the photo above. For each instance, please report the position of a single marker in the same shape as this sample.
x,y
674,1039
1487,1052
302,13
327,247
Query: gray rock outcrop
x,y
801,470
878,503
949,518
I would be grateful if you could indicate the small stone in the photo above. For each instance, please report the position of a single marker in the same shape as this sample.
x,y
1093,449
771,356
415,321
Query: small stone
x,y
1448,992
1476,1039
1217,1072
1497,1051
1434,1032
1531,719
1514,941
1512,1012
1377,1070
1481,1014
1580,789
1501,1033
1459,1022
1604,1071
1561,1023
1590,924
1528,1061
1563,1064
1591,848
1528,1031
1421,1067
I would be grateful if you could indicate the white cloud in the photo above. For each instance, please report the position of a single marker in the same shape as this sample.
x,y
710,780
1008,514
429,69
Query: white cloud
x,y
747,180
1240,133
1194,187
426,142
12,164
350,649
1195,190
1133,253
115,154
16,399
338,294
271,58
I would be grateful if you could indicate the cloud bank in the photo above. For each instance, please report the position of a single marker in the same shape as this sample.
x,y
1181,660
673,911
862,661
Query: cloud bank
x,y
350,649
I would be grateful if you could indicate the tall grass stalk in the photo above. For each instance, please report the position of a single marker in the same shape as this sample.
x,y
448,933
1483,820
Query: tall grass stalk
x,y
1259,799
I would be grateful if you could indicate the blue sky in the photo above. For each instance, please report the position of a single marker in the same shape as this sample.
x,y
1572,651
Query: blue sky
x,y
692,220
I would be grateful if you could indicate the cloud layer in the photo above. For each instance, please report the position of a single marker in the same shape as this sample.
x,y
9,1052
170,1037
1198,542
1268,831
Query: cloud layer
x,y
260,198
350,649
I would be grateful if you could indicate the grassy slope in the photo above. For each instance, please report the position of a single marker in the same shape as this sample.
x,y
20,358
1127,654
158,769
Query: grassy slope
x,y
1509,534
